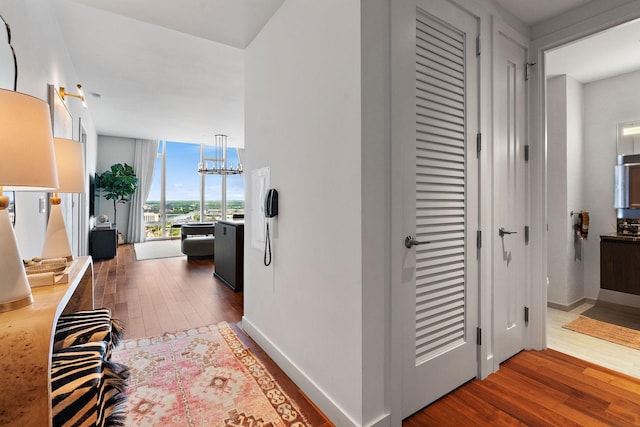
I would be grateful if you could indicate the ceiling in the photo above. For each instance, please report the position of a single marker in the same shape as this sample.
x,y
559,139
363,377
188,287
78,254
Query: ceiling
x,y
532,12
172,70
162,69
606,54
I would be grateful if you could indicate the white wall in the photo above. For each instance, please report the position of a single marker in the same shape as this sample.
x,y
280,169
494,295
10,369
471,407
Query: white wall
x,y
565,193
42,59
376,211
575,191
306,308
557,191
112,150
606,103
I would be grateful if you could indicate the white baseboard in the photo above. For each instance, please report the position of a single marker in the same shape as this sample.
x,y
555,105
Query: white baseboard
x,y
569,307
329,407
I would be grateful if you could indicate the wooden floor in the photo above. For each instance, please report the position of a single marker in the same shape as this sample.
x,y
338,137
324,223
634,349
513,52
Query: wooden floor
x,y
533,388
539,388
152,297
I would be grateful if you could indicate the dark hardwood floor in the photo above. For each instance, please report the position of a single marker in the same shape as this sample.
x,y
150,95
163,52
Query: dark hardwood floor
x,y
152,297
539,388
545,388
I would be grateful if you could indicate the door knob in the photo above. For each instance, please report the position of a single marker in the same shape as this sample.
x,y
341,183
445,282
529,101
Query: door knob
x,y
502,232
410,241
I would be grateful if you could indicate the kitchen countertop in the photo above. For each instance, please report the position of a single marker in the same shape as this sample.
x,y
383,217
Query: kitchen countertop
x,y
620,237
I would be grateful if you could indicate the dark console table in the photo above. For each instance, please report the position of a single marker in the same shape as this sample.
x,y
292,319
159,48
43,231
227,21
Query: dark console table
x,y
229,253
104,243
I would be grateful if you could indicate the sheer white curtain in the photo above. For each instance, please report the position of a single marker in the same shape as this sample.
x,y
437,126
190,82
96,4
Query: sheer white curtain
x,y
143,165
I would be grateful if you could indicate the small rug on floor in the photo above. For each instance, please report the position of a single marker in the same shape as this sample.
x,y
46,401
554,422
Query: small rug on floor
x,y
157,249
606,331
202,377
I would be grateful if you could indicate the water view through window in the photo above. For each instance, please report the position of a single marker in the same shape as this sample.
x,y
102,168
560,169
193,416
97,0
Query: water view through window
x,y
180,195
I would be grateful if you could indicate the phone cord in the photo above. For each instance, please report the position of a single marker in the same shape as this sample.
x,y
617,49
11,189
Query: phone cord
x,y
267,246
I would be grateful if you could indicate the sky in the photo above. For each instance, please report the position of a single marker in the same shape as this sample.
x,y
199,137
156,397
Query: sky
x,y
183,180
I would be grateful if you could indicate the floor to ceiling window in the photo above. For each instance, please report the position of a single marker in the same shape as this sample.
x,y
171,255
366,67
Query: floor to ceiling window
x,y
180,195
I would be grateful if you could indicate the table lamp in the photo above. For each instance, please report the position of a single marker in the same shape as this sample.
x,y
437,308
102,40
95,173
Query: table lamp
x,y
28,164
70,166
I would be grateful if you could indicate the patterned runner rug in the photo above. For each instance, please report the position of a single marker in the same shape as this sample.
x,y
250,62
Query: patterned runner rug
x,y
202,377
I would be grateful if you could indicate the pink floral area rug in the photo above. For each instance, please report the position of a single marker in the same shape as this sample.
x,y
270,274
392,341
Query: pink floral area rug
x,y
202,377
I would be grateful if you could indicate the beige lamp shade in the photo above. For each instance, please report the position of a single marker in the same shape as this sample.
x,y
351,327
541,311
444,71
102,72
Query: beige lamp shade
x,y
26,144
70,165
27,164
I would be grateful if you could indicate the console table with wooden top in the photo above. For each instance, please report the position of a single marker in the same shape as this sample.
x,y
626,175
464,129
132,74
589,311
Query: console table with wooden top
x,y
26,344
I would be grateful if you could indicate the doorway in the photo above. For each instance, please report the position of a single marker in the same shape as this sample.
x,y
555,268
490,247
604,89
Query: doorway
x,y
586,97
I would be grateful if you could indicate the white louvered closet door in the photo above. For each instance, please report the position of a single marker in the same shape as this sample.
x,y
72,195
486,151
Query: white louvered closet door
x,y
440,348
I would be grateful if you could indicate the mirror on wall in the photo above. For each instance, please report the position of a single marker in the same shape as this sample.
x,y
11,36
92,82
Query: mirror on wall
x,y
8,71
8,76
628,138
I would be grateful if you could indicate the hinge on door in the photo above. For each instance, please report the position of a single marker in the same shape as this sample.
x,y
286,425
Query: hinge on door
x,y
527,69
477,46
479,239
479,336
526,234
526,316
478,143
526,153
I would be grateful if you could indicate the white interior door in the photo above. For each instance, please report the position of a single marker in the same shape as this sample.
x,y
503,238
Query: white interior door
x,y
438,295
510,190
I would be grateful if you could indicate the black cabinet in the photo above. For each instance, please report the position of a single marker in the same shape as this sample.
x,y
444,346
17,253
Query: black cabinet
x,y
619,267
229,253
104,243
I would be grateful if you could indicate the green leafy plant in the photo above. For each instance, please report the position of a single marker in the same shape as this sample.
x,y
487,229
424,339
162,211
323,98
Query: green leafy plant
x,y
117,184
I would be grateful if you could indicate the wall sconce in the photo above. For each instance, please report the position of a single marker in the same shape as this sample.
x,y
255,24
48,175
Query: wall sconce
x,y
80,95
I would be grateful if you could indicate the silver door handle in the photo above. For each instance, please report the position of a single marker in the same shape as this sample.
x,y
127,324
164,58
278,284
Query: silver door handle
x,y
502,232
410,241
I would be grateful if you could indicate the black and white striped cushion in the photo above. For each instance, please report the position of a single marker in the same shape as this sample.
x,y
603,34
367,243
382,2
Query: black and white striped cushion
x,y
87,326
86,389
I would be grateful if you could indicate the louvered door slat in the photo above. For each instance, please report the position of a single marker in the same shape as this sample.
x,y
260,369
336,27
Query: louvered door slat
x,y
424,268
440,188
439,94
437,71
440,33
424,136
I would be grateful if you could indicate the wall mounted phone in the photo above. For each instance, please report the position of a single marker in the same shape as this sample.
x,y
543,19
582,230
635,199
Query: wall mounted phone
x,y
271,203
270,211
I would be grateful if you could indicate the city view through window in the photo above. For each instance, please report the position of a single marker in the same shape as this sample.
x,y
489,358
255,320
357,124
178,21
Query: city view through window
x,y
179,194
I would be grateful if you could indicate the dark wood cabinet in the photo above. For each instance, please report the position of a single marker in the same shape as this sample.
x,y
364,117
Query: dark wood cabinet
x,y
104,243
229,253
620,264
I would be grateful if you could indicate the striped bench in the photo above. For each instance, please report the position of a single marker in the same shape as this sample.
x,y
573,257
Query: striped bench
x,y
87,326
86,389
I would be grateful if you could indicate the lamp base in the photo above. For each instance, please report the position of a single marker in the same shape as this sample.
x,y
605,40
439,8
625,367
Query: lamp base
x,y
56,241
15,291
14,305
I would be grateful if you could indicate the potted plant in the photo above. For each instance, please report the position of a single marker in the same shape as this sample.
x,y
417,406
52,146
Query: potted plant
x,y
117,184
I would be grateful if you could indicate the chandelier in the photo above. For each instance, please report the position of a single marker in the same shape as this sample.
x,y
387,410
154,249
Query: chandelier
x,y
218,165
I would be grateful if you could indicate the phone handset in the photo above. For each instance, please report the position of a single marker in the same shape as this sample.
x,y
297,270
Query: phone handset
x,y
270,211
271,203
